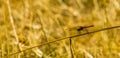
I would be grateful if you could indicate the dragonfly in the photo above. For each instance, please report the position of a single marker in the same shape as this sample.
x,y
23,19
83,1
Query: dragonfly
x,y
84,27
79,28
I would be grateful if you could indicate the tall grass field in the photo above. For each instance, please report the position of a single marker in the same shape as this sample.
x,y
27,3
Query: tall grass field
x,y
59,28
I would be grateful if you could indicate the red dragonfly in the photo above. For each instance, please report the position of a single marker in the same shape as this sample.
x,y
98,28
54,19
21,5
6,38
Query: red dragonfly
x,y
84,27
79,28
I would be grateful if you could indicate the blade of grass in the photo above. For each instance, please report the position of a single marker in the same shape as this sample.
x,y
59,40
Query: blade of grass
x,y
13,24
67,38
72,54
70,39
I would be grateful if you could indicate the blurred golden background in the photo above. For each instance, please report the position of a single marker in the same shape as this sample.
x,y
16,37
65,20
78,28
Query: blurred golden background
x,y
28,23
